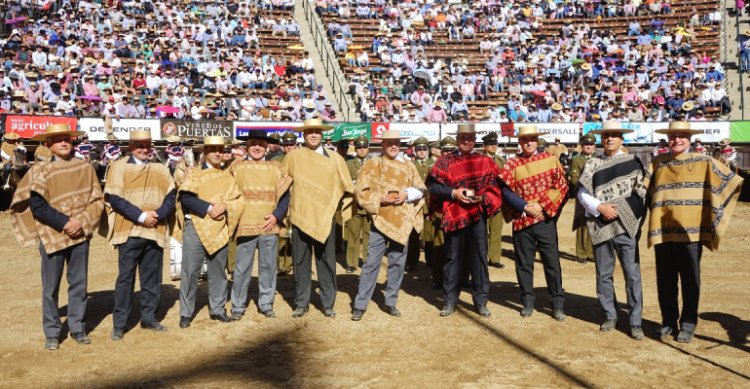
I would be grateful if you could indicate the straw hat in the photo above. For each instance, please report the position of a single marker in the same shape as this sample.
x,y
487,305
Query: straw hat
x,y
213,141
390,134
12,136
683,127
688,106
57,129
529,130
611,127
465,128
140,135
314,124
173,139
586,66
557,107
725,142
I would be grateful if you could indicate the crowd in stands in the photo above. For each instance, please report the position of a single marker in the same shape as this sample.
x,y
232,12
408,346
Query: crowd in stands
x,y
406,61
236,59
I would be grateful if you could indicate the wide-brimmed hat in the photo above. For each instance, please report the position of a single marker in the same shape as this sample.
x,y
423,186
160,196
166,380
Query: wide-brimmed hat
x,y
611,126
557,106
586,66
688,106
683,127
173,139
529,130
725,142
255,134
314,124
389,134
465,128
57,129
140,135
12,136
213,141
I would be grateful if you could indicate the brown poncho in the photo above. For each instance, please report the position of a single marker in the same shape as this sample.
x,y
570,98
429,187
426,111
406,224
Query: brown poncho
x,y
262,183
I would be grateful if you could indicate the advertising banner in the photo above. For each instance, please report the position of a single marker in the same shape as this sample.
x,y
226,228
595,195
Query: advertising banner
x,y
242,128
350,131
28,126
567,132
739,131
121,128
482,129
642,132
713,132
196,129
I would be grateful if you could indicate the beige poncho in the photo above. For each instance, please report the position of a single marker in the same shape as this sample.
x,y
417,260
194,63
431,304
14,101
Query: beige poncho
x,y
692,197
214,186
262,183
378,177
71,187
144,186
319,184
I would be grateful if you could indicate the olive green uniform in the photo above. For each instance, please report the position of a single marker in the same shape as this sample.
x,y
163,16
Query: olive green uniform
x,y
584,248
358,227
495,227
426,238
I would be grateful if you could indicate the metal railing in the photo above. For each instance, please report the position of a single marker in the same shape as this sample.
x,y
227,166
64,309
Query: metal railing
x,y
330,61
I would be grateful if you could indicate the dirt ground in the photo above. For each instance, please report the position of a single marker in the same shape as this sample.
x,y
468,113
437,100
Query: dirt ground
x,y
420,349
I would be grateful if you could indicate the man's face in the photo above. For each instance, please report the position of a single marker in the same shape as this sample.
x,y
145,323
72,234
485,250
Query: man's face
x,y
528,144
588,148
391,147
273,147
362,151
256,149
679,142
313,138
421,151
60,146
466,142
490,148
214,155
611,142
289,148
140,148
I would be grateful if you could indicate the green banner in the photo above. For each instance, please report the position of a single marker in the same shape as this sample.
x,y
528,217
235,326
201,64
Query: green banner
x,y
739,131
347,131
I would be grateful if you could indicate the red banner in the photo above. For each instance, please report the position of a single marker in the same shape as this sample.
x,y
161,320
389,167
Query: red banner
x,y
506,129
28,126
377,129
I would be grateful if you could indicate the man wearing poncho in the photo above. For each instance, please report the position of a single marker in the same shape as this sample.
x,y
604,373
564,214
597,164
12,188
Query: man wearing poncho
x,y
535,190
264,186
57,207
321,179
611,204
211,205
691,198
465,185
139,198
390,189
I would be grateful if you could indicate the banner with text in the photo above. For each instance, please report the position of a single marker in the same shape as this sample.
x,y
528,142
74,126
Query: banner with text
x,y
642,132
28,126
243,128
121,128
196,129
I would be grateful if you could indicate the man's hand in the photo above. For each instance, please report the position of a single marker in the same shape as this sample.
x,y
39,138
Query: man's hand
x,y
152,219
217,211
608,211
73,228
534,210
460,195
400,199
269,222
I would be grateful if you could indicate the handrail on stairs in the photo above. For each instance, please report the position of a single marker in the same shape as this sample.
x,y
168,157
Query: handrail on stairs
x,y
329,60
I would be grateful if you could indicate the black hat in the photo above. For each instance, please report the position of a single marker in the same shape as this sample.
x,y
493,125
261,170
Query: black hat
x,y
588,139
490,139
256,134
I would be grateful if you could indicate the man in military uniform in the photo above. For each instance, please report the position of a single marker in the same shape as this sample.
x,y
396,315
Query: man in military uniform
x,y
495,223
584,248
288,144
423,164
274,148
358,227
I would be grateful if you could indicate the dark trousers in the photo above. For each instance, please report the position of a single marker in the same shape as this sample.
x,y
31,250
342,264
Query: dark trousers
x,y
77,258
467,246
303,248
525,243
414,245
683,260
147,256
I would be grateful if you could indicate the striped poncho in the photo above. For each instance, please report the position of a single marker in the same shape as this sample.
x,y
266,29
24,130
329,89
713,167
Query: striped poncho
x,y
615,180
691,199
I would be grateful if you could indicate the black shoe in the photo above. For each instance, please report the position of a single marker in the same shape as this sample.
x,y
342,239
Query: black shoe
x,y
437,286
153,326
393,311
410,267
664,332
498,265
51,344
558,314
117,333
448,310
357,314
283,273
591,259
268,313
299,312
608,325
527,311
222,317
685,336
185,321
80,337
351,269
483,311
329,312
581,260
